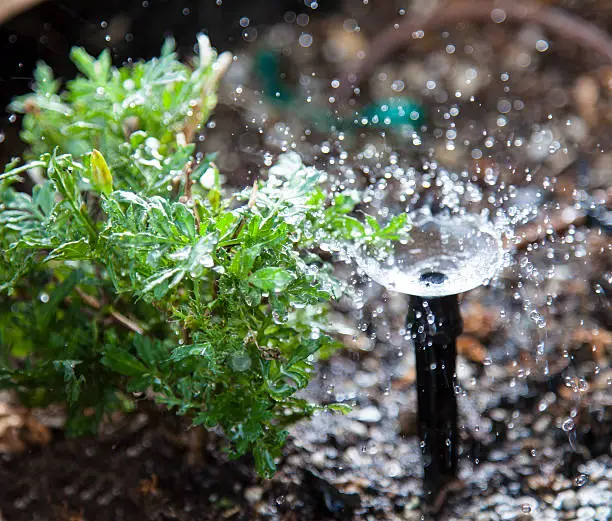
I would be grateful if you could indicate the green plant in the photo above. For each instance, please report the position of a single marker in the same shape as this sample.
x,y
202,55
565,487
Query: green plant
x,y
122,274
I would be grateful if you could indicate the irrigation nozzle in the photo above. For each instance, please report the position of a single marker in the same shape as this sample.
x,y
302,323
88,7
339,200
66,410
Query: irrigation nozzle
x,y
444,257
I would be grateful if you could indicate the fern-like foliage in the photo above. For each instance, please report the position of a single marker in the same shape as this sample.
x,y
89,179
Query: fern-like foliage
x,y
120,273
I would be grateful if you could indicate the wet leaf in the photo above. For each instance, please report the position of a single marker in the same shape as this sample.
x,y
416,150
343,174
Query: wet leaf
x,y
271,279
339,407
70,251
122,361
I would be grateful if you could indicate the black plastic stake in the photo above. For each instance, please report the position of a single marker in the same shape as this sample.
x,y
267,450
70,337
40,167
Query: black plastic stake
x,y
435,324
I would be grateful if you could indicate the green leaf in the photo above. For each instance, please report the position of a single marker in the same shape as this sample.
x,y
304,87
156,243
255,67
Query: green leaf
x,y
84,62
243,260
64,179
200,256
45,82
197,350
397,228
184,221
121,361
264,461
139,384
348,227
305,349
43,197
346,202
47,311
271,279
75,250
225,223
160,279
150,350
123,196
342,408
372,223
73,384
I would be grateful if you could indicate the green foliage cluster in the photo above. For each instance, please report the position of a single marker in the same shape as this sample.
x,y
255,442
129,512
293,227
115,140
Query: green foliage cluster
x,y
123,276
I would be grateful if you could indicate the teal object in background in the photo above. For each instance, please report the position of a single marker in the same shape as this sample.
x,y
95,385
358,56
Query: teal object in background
x,y
269,71
396,113
391,113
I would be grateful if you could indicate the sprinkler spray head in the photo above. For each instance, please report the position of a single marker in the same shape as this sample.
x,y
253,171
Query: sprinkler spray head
x,y
446,255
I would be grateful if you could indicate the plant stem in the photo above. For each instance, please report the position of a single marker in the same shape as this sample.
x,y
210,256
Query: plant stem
x,y
94,303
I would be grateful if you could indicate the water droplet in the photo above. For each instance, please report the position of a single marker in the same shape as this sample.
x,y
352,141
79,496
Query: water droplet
x,y
305,40
568,425
581,480
240,361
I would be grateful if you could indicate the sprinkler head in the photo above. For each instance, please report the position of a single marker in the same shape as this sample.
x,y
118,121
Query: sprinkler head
x,y
445,255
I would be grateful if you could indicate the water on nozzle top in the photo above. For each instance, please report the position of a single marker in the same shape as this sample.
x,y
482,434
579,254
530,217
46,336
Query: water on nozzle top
x,y
445,255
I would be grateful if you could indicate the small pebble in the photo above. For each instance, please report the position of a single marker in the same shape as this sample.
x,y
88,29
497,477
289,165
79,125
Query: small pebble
x,y
253,494
318,459
586,513
566,500
541,425
369,414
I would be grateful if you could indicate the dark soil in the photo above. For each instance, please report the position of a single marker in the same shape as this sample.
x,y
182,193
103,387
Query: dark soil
x,y
146,470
